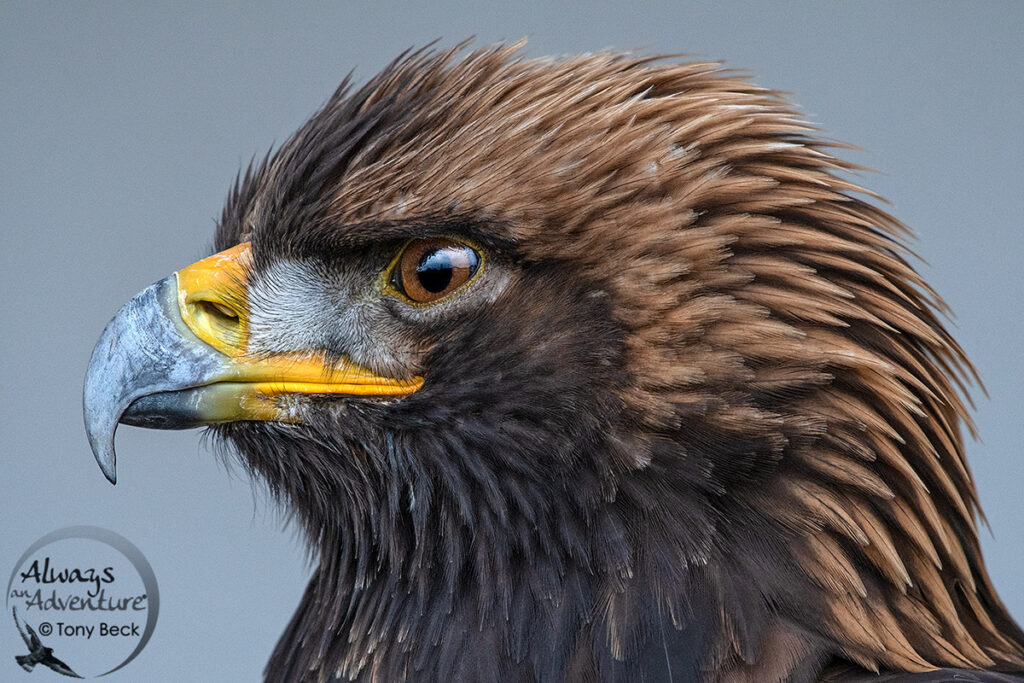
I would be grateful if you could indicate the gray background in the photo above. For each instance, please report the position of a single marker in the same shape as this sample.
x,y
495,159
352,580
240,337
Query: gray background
x,y
121,126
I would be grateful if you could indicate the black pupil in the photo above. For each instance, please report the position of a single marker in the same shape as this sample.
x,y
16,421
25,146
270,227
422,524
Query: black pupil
x,y
436,268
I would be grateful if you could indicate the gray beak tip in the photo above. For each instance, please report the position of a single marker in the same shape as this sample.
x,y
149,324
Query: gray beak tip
x,y
145,354
108,467
101,441
119,369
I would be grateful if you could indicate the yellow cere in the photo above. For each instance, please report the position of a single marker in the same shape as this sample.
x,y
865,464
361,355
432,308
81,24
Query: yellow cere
x,y
213,302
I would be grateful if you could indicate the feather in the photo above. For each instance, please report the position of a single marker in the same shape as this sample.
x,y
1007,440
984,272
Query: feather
x,y
709,426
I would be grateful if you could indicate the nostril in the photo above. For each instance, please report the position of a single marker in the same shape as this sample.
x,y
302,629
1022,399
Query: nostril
x,y
217,310
217,318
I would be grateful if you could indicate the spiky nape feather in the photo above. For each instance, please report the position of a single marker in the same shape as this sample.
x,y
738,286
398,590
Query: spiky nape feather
x,y
716,413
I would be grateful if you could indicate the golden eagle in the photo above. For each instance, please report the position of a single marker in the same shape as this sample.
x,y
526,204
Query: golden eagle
x,y
587,369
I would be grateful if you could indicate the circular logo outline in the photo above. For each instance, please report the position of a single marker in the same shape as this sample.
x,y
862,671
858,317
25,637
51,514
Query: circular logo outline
x,y
121,545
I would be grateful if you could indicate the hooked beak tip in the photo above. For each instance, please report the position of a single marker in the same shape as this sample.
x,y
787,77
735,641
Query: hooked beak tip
x,y
103,450
109,473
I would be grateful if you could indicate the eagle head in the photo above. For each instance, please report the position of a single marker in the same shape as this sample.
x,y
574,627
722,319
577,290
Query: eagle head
x,y
594,368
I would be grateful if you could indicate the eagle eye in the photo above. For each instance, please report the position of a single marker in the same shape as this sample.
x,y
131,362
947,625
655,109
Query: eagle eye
x,y
428,270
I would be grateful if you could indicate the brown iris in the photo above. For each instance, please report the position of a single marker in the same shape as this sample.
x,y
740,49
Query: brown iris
x,y
431,269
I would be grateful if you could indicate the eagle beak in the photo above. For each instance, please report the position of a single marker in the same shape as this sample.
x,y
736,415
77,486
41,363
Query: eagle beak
x,y
176,356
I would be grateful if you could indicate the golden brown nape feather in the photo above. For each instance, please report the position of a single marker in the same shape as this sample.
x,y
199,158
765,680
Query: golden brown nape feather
x,y
761,296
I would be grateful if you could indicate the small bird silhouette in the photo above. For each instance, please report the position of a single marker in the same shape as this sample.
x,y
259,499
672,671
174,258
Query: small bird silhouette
x,y
38,653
